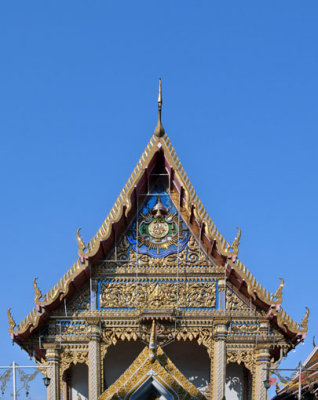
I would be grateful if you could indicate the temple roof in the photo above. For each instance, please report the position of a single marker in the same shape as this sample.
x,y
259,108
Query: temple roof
x,y
160,155
309,379
160,373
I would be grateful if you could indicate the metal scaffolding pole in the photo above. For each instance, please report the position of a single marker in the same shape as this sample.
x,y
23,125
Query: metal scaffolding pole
x,y
14,366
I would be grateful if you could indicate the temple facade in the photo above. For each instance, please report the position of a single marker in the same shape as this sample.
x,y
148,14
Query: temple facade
x,y
158,304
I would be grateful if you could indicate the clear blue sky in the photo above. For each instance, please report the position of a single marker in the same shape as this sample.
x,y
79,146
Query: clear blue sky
x,y
78,88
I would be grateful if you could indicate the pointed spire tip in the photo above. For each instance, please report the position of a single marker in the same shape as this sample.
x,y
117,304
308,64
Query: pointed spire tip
x,y
159,130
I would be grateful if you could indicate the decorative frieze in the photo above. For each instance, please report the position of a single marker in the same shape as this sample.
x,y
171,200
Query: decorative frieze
x,y
158,293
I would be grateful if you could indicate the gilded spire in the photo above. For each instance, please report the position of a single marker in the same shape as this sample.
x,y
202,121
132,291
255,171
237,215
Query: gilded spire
x,y
159,130
153,342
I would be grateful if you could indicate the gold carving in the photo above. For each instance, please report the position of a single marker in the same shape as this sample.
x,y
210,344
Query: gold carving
x,y
143,367
279,292
12,323
233,302
158,229
245,328
201,335
123,206
245,357
37,292
80,303
74,357
234,246
80,243
145,294
304,322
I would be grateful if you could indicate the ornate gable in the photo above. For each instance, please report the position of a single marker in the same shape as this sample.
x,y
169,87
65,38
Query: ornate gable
x,y
150,379
158,252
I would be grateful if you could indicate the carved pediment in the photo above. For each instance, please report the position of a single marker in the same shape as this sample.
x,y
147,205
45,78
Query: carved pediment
x,y
148,378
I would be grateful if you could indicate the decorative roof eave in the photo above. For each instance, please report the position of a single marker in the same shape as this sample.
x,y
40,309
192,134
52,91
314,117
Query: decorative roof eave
x,y
206,232
267,301
307,378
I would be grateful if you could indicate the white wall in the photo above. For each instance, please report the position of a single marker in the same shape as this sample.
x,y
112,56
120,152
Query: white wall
x,y
192,360
234,382
79,381
118,358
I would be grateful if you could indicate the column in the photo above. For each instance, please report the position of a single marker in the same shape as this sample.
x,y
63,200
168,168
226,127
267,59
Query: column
x,y
261,373
66,379
94,370
52,358
219,360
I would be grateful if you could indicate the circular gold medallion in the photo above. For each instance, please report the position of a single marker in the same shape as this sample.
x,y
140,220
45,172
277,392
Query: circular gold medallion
x,y
158,229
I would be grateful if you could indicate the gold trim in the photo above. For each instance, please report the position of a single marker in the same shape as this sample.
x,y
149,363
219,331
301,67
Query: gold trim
x,y
12,323
37,292
162,369
192,202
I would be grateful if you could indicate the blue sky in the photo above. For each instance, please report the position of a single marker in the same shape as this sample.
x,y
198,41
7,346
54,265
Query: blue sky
x,y
78,88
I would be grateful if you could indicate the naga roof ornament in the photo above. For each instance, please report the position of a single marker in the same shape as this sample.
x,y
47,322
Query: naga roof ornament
x,y
12,323
80,243
37,292
304,322
279,292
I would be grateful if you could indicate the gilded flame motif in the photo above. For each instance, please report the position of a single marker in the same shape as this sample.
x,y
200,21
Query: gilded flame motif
x,y
279,292
304,322
37,292
12,323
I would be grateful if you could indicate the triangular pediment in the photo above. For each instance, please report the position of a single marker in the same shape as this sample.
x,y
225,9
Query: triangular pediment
x,y
152,379
132,231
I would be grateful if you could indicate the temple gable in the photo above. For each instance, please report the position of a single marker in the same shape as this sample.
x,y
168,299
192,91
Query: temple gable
x,y
157,266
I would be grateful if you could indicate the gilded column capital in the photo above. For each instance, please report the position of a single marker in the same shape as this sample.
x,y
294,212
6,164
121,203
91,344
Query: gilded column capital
x,y
264,326
94,332
220,328
92,319
52,352
262,354
222,284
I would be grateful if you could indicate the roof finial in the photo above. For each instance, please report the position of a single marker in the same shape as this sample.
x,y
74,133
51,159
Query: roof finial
x,y
12,323
159,130
37,292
